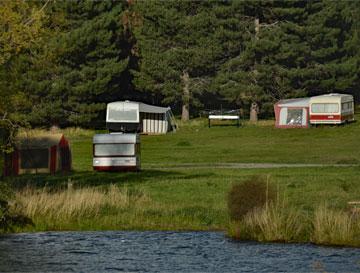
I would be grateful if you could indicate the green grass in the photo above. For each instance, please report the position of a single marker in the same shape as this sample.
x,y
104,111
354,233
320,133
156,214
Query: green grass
x,y
195,199
255,144
196,143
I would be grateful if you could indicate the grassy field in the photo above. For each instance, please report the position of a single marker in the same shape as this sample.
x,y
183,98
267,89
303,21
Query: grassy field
x,y
191,198
196,143
194,199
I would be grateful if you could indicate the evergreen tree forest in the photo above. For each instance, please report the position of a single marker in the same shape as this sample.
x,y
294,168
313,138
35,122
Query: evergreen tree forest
x,y
61,62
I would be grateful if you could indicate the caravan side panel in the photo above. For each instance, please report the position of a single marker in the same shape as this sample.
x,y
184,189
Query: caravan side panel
x,y
331,109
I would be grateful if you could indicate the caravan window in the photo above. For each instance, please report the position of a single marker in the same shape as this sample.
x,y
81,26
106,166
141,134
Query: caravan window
x,y
118,149
347,106
294,117
126,115
34,159
325,108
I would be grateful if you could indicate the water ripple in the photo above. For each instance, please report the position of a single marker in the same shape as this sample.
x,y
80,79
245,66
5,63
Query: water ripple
x,y
165,252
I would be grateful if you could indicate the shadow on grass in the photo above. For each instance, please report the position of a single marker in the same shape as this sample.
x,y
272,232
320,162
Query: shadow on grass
x,y
92,178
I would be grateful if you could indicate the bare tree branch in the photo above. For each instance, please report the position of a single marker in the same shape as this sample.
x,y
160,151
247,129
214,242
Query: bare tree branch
x,y
30,20
269,25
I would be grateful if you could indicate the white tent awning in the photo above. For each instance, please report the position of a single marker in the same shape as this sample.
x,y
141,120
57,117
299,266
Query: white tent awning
x,y
301,102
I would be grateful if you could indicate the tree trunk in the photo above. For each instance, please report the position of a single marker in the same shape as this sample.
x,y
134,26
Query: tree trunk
x,y
185,115
254,110
257,28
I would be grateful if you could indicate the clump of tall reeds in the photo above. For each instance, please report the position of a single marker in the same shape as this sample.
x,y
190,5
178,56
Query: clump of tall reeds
x,y
75,203
335,227
274,221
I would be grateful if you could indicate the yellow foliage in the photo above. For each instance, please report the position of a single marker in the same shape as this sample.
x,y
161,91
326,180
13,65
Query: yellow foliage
x,y
20,26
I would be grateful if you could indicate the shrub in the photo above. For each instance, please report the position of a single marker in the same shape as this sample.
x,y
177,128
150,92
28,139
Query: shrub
x,y
253,193
8,219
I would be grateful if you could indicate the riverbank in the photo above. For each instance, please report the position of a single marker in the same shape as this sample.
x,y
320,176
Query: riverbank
x,y
283,223
189,199
164,197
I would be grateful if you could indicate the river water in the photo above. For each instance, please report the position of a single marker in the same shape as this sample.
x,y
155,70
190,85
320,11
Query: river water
x,y
164,252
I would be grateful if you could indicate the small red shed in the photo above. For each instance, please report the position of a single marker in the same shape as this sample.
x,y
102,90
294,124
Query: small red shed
x,y
292,113
39,154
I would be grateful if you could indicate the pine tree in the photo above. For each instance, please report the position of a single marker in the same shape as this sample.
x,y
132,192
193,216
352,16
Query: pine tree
x,y
82,66
178,48
94,59
272,57
333,38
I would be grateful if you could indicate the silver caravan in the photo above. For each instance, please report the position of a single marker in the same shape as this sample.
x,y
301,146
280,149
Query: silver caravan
x,y
138,117
116,152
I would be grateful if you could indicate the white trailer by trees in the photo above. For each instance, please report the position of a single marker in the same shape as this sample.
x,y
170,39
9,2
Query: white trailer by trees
x,y
131,116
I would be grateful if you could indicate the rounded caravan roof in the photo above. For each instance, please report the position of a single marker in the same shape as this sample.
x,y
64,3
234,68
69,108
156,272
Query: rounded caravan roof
x,y
141,107
332,98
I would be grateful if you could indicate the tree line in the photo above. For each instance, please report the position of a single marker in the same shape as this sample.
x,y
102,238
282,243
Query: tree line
x,y
62,61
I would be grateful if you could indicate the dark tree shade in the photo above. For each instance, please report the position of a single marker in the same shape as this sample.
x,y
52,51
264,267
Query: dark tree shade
x,y
187,54
296,48
180,49
333,39
272,56
82,66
